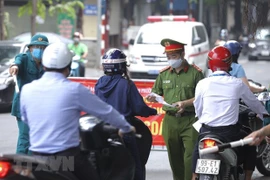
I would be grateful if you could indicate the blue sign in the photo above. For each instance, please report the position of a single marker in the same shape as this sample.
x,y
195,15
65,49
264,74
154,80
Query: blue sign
x,y
90,10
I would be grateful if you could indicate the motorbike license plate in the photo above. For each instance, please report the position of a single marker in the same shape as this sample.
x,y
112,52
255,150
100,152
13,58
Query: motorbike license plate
x,y
207,166
265,53
153,72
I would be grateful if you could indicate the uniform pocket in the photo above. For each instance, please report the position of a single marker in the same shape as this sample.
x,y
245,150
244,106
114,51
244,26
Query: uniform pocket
x,y
167,85
186,85
32,71
32,74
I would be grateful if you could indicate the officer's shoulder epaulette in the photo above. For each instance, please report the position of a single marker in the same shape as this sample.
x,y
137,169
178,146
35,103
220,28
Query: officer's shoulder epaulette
x,y
21,55
197,68
164,69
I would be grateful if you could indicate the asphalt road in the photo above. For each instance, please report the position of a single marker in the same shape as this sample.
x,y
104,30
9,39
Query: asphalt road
x,y
158,166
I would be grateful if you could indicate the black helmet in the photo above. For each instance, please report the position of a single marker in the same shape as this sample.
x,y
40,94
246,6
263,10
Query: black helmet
x,y
114,61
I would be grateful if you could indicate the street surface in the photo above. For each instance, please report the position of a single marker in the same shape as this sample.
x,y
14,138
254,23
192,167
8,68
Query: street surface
x,y
158,166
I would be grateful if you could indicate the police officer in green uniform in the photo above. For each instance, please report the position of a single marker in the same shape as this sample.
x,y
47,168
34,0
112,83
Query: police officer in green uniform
x,y
176,83
27,67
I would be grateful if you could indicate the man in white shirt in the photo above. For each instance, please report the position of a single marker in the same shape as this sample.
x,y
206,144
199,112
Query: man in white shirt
x,y
217,105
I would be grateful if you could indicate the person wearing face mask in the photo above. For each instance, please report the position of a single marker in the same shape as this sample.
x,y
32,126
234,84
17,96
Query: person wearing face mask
x,y
54,125
176,83
80,49
27,67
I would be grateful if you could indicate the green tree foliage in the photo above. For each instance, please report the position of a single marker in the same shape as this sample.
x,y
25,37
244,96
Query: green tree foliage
x,y
54,6
7,25
211,2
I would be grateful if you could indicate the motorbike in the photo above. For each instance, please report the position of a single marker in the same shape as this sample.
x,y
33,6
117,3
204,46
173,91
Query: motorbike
x,y
99,141
75,67
218,157
224,164
244,42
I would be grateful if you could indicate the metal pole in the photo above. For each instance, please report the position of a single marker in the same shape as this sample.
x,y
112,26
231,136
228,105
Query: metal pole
x,y
2,36
99,13
107,25
171,7
103,26
201,11
33,17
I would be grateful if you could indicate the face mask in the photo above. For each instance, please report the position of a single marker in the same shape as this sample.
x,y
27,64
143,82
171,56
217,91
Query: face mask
x,y
76,40
175,63
37,53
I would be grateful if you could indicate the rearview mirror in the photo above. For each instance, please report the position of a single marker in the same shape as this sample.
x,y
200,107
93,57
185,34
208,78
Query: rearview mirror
x,y
131,41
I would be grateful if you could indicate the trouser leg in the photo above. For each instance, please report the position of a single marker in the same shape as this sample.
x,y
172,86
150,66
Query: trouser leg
x,y
82,69
70,161
131,144
23,143
189,136
171,128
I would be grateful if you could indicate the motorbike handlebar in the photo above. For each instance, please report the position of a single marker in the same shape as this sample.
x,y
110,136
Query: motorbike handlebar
x,y
221,147
111,129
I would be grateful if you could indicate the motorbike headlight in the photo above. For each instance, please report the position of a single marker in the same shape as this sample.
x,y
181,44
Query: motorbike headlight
x,y
264,96
252,45
88,122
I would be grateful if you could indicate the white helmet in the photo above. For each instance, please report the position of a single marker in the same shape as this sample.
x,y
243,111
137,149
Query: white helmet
x,y
56,56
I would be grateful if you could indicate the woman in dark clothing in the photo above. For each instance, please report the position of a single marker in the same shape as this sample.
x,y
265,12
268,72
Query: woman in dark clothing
x,y
117,89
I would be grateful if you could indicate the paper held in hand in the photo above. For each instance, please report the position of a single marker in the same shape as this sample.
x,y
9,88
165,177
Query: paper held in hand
x,y
160,99
197,126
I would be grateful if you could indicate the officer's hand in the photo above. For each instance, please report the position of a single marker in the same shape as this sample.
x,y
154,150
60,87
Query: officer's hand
x,y
180,105
13,70
151,98
257,137
132,129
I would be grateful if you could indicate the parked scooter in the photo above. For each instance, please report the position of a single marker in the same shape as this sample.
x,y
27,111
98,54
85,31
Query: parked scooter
x,y
104,148
75,67
224,164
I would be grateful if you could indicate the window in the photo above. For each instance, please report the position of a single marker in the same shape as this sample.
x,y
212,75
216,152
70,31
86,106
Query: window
x,y
201,33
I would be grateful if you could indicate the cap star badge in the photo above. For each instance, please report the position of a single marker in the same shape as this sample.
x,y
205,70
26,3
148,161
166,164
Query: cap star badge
x,y
40,39
167,43
172,45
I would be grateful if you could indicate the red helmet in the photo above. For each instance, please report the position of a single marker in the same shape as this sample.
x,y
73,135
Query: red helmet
x,y
219,59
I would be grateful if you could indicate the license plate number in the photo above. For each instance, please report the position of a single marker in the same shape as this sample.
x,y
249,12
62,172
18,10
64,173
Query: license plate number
x,y
265,53
207,166
155,72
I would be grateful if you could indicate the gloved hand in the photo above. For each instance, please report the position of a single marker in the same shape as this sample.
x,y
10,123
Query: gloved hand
x,y
132,130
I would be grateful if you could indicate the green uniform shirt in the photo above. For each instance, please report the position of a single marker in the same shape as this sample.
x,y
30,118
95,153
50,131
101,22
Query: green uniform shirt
x,y
176,87
28,71
79,50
